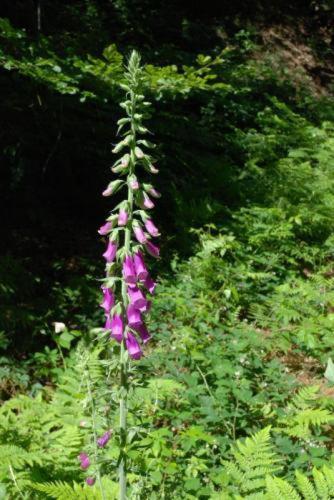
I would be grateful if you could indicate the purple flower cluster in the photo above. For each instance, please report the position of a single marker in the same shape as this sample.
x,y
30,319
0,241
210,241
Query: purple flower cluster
x,y
125,321
139,283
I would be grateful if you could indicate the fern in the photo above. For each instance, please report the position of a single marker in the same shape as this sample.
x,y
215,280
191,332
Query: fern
x,y
253,460
60,490
329,477
300,424
305,396
305,486
322,489
17,457
67,438
277,488
320,482
252,473
301,415
42,437
64,491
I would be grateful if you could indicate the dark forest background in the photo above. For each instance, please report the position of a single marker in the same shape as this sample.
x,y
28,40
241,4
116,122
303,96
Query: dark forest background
x,y
60,67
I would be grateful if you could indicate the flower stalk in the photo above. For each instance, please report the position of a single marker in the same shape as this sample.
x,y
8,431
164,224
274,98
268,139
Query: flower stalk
x,y
125,305
124,367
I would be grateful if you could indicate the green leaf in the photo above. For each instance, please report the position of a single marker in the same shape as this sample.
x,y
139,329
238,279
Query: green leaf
x,y
65,339
156,476
192,484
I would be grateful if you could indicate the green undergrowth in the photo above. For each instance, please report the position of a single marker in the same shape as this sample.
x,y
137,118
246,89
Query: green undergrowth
x,y
203,386
213,375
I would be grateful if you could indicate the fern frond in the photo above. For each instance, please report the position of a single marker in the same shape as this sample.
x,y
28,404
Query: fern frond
x,y
253,460
69,438
64,491
252,496
59,490
320,484
94,366
313,417
233,470
278,488
329,476
305,486
17,456
300,425
303,414
305,395
250,480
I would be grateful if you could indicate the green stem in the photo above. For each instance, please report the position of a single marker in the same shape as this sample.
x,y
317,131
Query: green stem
x,y
11,471
123,358
98,474
205,382
123,400
61,355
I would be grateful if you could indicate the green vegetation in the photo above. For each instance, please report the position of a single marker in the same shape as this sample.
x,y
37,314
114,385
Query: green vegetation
x,y
231,399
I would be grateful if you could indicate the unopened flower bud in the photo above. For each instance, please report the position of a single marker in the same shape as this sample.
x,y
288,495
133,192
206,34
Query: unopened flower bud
x,y
103,440
112,187
105,229
133,183
123,217
152,249
139,233
153,169
125,160
151,191
84,459
147,202
139,153
151,228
